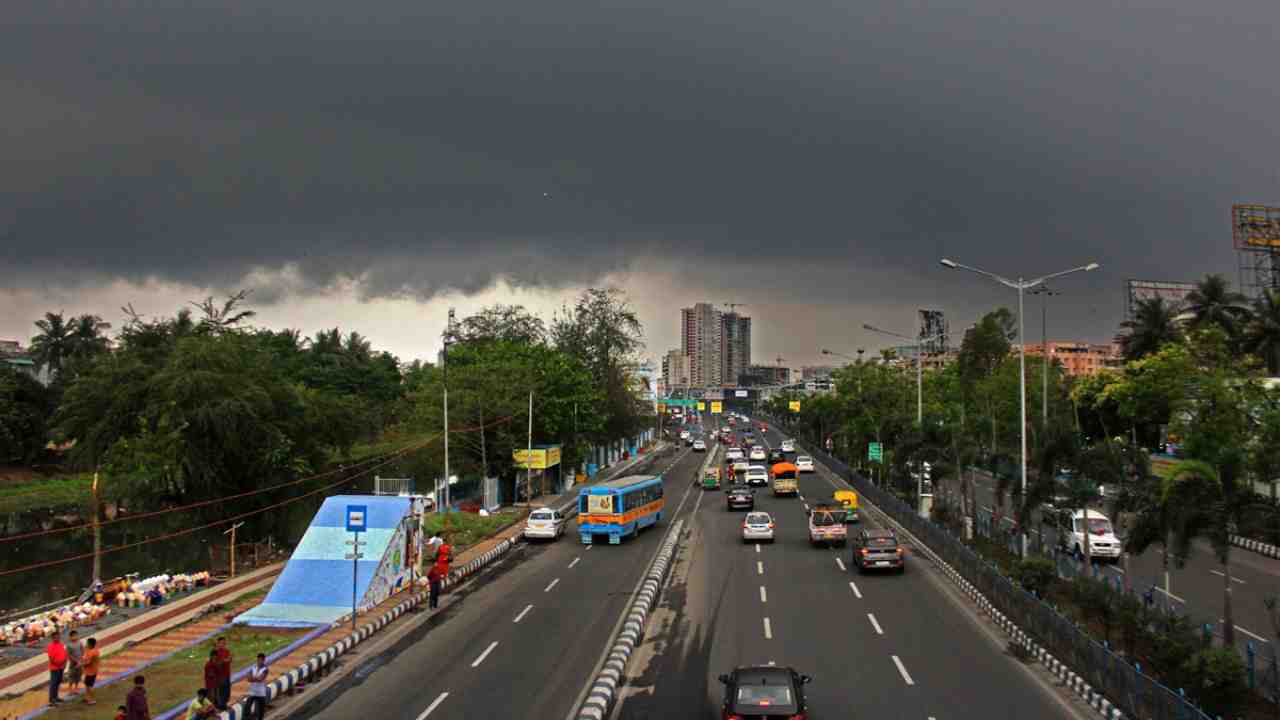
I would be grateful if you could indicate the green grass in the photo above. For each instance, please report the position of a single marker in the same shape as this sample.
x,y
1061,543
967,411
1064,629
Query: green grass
x,y
54,491
176,679
467,529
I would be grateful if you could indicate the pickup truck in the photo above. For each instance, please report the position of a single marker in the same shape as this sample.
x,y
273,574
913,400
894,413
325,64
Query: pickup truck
x,y
826,524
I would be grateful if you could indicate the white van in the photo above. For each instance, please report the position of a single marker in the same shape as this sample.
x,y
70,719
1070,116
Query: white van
x,y
1103,543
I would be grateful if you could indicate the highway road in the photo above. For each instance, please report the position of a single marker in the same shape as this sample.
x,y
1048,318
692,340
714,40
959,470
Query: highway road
x,y
876,645
520,641
1197,588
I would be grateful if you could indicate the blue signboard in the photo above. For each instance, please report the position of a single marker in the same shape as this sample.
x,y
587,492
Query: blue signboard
x,y
357,518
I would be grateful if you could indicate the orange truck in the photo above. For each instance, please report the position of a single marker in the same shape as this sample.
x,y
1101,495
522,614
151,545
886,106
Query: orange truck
x,y
784,476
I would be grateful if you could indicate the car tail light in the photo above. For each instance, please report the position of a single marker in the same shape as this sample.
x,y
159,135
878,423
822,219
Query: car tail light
x,y
865,551
899,551
770,526
744,524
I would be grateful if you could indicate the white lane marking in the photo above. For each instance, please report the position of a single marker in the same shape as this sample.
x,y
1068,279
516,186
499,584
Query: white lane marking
x,y
590,546
1175,597
875,624
764,596
841,564
1219,573
768,630
575,561
757,549
1119,570
553,584
903,670
759,567
485,654
1253,635
523,612
434,704
771,662
806,507
854,588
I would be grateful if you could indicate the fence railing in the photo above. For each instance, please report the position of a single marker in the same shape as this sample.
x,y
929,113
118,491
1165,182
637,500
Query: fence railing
x,y
1135,693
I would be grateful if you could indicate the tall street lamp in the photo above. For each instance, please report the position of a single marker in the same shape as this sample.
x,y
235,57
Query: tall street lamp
x,y
1021,286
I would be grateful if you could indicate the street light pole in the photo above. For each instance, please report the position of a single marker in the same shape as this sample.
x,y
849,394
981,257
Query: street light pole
x,y
1046,293
1021,286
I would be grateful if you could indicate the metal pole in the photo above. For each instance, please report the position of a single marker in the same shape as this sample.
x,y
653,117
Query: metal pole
x,y
1044,358
529,458
444,362
97,531
1022,402
355,571
919,387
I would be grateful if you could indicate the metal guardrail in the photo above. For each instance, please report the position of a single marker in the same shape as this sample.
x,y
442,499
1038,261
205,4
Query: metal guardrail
x,y
1134,693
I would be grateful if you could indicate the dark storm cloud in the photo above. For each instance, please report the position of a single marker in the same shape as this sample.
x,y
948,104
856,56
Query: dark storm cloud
x,y
433,145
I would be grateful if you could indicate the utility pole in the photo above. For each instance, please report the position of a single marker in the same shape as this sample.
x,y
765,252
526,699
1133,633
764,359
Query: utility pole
x,y
528,459
97,531
444,362
1044,352
232,549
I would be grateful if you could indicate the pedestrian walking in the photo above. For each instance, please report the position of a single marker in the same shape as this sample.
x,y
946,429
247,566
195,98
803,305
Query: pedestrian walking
x,y
433,582
135,703
201,706
257,706
92,656
75,656
213,676
57,653
224,674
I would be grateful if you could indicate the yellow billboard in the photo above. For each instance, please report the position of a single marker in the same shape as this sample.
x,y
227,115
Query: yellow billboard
x,y
1255,226
543,458
794,405
701,406
716,407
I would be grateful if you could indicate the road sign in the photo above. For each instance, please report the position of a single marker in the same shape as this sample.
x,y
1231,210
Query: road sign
x,y
353,556
357,518
794,405
716,407
875,452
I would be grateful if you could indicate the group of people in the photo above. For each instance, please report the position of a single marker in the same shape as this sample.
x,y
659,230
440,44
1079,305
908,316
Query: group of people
x,y
75,661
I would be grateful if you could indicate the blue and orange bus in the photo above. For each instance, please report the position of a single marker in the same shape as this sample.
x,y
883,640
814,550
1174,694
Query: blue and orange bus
x,y
619,508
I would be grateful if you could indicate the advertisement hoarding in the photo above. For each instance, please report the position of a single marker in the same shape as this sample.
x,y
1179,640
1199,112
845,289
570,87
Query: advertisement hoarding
x,y
543,458
794,405
716,407
740,393
1255,227
1174,293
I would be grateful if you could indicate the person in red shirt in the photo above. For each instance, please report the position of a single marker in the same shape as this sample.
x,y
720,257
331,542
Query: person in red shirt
x,y
135,703
224,674
213,676
439,572
57,653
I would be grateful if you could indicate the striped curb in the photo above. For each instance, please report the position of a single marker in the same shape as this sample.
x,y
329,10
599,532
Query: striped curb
x,y
324,658
603,691
1256,546
1068,678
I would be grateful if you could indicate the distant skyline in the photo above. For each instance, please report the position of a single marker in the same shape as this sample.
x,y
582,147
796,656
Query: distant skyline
x,y
370,165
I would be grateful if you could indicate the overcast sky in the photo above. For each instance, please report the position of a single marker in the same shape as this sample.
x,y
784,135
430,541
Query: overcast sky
x,y
370,164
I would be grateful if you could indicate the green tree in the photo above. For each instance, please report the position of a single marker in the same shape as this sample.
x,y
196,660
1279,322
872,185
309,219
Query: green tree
x,y
1151,328
1262,332
604,333
25,409
507,323
54,344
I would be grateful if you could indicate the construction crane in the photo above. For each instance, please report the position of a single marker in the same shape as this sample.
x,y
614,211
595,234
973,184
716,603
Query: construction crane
x,y
734,306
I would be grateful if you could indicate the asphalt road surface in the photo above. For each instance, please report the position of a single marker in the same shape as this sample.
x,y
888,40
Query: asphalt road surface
x,y
877,645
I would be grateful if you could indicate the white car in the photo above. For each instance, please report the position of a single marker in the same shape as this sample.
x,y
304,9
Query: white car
x,y
757,526
544,523
684,434
788,446
804,464
757,475
757,453
1103,543
699,446
733,453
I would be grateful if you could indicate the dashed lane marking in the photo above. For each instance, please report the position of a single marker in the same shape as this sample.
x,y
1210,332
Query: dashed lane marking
x,y
902,669
854,588
757,549
434,704
523,612
875,624
759,567
1219,573
553,584
485,654
1253,635
768,630
841,564
764,596
575,562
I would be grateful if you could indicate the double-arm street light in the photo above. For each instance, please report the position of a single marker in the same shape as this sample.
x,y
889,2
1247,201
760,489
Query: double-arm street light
x,y
1021,286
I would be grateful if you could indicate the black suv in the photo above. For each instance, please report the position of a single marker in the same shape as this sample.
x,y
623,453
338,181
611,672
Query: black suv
x,y
878,549
764,691
741,498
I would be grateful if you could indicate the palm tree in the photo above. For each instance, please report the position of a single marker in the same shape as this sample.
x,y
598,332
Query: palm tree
x,y
1262,333
1213,302
1199,502
54,344
1151,328
86,335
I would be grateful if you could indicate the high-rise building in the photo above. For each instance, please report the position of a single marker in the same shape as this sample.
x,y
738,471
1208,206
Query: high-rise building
x,y
700,340
735,346
675,370
1079,358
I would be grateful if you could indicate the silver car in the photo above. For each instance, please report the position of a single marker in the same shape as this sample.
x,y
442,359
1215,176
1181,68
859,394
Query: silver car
x,y
544,523
757,526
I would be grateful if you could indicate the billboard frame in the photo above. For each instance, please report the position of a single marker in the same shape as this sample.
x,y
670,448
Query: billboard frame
x,y
1255,227
1133,286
